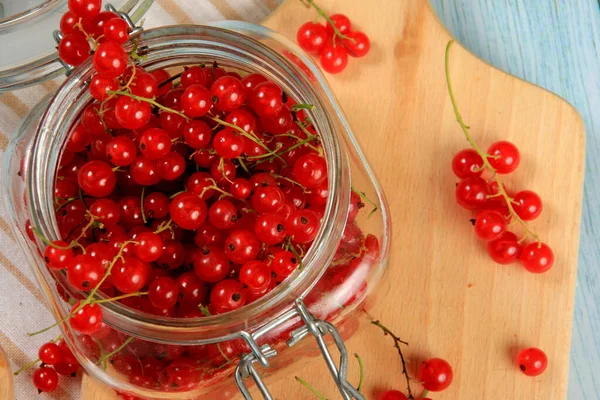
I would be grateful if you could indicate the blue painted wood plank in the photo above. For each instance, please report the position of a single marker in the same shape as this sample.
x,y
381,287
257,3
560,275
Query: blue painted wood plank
x,y
554,44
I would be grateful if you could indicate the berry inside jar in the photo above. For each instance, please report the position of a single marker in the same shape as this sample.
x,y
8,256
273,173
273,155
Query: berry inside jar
x,y
190,192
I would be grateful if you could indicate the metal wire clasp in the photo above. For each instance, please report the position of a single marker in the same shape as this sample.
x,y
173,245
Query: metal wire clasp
x,y
319,329
134,30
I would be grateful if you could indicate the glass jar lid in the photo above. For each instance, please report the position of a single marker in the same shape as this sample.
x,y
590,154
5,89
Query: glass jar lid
x,y
28,50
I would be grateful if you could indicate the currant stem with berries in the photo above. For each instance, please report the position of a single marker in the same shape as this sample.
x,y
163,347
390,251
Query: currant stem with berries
x,y
485,157
319,10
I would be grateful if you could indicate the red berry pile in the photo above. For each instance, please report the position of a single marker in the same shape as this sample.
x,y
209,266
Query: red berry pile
x,y
333,41
183,196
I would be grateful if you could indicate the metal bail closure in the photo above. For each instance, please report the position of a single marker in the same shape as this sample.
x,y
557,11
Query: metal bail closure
x,y
312,326
134,30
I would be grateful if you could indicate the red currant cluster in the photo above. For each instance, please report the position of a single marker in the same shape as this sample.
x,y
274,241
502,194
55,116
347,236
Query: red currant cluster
x,y
496,208
56,359
85,28
333,41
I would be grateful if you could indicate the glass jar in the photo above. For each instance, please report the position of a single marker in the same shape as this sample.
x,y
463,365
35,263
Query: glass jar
x,y
161,357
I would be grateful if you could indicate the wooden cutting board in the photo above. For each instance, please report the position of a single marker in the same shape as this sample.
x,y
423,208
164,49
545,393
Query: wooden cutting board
x,y
442,293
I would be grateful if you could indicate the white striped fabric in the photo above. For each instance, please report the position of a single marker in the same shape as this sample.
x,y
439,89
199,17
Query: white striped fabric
x,y
21,306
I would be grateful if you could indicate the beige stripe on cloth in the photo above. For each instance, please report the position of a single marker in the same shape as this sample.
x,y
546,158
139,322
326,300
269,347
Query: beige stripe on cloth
x,y
23,280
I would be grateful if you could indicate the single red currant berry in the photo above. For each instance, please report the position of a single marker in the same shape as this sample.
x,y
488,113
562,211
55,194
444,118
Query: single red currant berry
x,y
79,139
270,228
74,49
529,205
467,163
144,85
156,205
201,184
96,178
58,255
196,101
471,193
188,210
279,123
223,171
193,76
341,22
110,59
129,274
268,199
490,225
303,225
116,30
357,43
310,170
84,272
144,171
45,379
283,264
266,99
227,93
197,134
333,59
223,214
50,353
505,157
131,113
85,9
228,143
106,211
212,264
506,249
312,37
240,188
163,292
95,27
67,23
532,361
101,85
155,143
227,295
86,319
436,374
241,246
121,151
393,395
537,257
149,246
255,275
171,166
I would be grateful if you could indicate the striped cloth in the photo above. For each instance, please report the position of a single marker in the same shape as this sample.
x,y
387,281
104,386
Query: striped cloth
x,y
22,307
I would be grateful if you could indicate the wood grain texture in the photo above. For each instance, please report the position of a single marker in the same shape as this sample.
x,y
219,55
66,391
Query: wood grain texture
x,y
554,44
442,294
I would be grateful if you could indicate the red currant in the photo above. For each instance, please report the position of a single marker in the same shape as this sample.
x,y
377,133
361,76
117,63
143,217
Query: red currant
x,y
50,353
532,361
506,249
537,257
393,395
341,22
529,205
268,199
74,49
196,101
241,246
163,292
334,59
467,163
505,157
436,374
312,37
116,30
110,59
228,143
227,295
188,210
197,134
227,93
193,76
86,319
129,274
121,151
471,193
86,9
101,85
270,228
45,379
283,264
58,255
490,225
303,225
131,113
212,265
357,43
310,170
266,99
96,178
255,275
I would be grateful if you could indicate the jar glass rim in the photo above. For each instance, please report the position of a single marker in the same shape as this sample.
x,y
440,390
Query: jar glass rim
x,y
161,45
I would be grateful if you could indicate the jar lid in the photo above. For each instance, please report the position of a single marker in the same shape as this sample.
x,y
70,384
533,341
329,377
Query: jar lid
x,y
28,48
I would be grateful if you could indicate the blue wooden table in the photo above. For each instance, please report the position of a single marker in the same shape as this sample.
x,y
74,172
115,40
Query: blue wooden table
x,y
554,44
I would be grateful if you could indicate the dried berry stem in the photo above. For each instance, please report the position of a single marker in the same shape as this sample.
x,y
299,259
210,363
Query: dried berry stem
x,y
397,343
485,157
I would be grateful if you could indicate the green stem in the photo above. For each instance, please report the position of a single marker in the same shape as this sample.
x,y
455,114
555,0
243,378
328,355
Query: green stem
x,y
425,393
142,206
151,101
323,14
105,357
364,197
361,371
121,297
309,387
26,367
482,154
302,106
204,310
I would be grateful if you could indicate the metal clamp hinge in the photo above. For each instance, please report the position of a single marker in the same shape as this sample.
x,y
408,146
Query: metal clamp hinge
x,y
319,329
134,30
